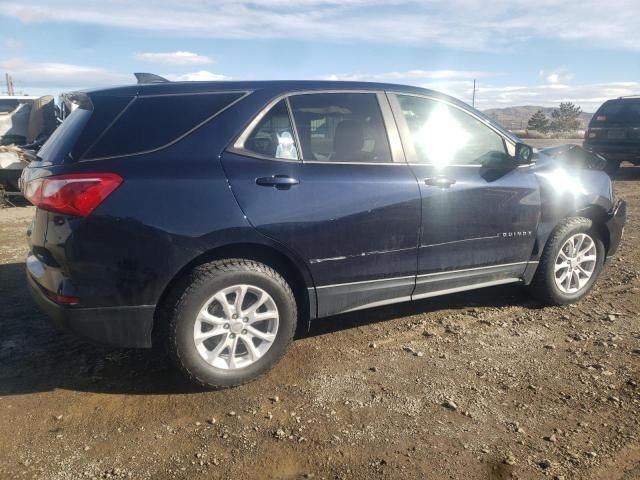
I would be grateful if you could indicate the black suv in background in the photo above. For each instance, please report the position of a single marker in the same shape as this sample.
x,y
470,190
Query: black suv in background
x,y
216,217
614,132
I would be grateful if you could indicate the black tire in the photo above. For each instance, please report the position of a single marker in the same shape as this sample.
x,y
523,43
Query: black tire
x,y
543,287
204,282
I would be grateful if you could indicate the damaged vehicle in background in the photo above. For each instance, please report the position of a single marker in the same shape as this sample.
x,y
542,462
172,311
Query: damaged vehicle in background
x,y
256,207
25,124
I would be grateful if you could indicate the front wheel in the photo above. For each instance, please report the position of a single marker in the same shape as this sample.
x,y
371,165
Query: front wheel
x,y
570,264
233,322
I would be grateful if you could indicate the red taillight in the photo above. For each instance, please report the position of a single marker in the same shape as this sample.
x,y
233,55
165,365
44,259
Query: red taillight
x,y
62,299
73,194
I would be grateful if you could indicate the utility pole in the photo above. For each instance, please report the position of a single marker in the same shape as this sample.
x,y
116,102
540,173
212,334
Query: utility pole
x,y
9,80
473,99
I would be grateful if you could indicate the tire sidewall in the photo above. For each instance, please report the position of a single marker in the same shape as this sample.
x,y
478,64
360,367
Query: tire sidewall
x,y
563,297
187,312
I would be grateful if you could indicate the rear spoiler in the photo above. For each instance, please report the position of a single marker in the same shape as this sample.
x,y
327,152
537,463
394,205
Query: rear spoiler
x,y
150,78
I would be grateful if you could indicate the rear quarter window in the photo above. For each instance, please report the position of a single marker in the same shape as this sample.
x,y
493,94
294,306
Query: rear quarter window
x,y
150,123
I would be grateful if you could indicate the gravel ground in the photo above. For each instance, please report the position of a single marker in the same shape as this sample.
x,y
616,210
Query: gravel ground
x,y
482,385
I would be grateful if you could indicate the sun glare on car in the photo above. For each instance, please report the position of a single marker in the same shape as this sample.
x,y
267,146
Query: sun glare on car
x,y
441,137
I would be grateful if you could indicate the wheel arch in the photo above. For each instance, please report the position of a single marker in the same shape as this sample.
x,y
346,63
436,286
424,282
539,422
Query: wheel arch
x,y
296,274
598,215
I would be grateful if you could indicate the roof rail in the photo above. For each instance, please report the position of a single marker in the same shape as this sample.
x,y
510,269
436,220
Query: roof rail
x,y
150,78
630,96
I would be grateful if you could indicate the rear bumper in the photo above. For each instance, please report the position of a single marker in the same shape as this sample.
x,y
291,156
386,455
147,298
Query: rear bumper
x,y
128,327
618,152
617,217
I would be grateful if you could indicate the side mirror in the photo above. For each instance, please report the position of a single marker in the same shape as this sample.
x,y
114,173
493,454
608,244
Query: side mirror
x,y
524,153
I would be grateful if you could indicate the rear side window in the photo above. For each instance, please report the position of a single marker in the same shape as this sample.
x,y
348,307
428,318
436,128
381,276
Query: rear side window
x,y
273,136
150,123
340,127
618,111
8,106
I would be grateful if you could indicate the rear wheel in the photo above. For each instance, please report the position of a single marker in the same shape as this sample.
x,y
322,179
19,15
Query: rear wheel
x,y
570,264
232,323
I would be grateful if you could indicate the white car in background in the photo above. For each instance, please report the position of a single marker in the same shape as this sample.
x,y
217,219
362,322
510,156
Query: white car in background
x,y
25,123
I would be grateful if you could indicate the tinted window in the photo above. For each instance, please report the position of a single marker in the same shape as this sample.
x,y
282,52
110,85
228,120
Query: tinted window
x,y
273,136
105,109
444,135
340,127
618,111
57,148
153,122
8,106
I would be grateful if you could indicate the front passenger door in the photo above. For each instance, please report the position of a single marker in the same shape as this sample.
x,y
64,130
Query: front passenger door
x,y
479,208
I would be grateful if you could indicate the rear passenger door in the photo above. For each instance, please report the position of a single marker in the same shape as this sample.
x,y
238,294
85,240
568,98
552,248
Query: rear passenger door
x,y
323,174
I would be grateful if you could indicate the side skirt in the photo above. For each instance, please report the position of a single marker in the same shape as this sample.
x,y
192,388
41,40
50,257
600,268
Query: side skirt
x,y
349,297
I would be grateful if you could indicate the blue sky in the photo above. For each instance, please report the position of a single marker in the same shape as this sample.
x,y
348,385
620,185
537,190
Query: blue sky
x,y
520,52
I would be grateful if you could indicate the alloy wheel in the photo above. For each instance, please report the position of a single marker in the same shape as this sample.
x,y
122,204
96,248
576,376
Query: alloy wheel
x,y
575,263
236,327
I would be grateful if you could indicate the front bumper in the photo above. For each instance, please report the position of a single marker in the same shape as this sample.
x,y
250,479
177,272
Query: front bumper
x,y
128,326
617,217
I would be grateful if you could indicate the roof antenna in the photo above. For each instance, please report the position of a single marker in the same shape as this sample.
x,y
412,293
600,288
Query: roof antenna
x,y
150,78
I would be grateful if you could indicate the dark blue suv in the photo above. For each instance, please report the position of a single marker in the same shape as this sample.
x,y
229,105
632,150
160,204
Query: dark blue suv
x,y
219,216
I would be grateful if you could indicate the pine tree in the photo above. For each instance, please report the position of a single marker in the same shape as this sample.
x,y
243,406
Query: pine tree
x,y
538,122
566,118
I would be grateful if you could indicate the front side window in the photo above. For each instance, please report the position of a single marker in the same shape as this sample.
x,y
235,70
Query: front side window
x,y
273,136
340,127
445,135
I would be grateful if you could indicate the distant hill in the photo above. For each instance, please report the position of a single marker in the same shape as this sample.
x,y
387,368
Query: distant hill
x,y
516,118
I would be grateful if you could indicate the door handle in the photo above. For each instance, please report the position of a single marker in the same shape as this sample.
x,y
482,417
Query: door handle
x,y
439,181
278,181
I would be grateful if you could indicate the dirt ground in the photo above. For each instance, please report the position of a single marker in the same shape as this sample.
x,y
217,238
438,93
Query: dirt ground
x,y
482,385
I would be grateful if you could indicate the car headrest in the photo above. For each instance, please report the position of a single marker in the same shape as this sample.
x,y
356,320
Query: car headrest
x,y
348,138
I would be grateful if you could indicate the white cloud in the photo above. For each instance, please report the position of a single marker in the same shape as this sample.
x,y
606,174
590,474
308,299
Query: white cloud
x,y
466,24
48,77
588,96
57,76
559,76
173,58
410,75
202,75
459,84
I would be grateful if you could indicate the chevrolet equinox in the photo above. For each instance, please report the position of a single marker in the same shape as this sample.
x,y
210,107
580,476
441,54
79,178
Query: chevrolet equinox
x,y
216,217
